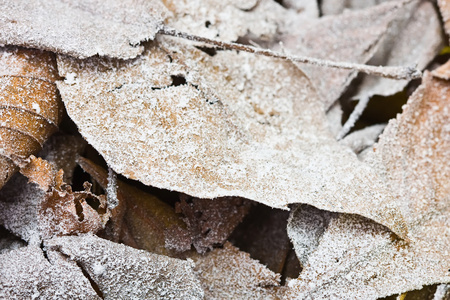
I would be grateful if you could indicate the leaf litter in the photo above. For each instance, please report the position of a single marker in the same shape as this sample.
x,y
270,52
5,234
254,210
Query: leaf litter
x,y
352,257
230,124
222,133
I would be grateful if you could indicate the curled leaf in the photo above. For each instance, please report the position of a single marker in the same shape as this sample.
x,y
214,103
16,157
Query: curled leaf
x,y
30,109
82,28
122,272
212,127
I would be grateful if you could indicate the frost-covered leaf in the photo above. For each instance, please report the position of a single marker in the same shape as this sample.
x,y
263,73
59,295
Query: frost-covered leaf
x,y
363,138
212,126
25,273
444,7
85,28
405,45
210,222
351,37
122,272
231,274
334,7
356,258
263,235
227,20
34,212
141,219
30,108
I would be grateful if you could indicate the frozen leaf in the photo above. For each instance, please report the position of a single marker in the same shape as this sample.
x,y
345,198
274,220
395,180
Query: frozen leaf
x,y
334,7
42,173
35,214
350,37
231,274
151,223
405,45
122,272
307,8
305,229
263,235
25,273
358,259
442,292
444,7
30,107
227,20
364,138
211,127
210,222
443,72
9,241
81,28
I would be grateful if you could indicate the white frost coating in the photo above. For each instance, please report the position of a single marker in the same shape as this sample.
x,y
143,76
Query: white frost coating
x,y
36,108
268,142
25,273
350,37
358,259
405,45
122,272
113,28
228,273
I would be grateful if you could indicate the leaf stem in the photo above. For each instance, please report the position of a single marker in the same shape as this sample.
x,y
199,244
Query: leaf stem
x,y
398,73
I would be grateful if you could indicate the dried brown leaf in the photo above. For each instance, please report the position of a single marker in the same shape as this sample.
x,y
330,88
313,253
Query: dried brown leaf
x,y
357,259
225,132
231,274
210,222
25,273
81,28
30,109
122,272
151,224
35,214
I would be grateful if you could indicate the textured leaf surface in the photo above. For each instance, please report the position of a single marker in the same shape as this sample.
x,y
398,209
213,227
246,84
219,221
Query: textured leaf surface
x,y
122,272
30,109
355,258
81,28
222,132
25,273
354,36
231,274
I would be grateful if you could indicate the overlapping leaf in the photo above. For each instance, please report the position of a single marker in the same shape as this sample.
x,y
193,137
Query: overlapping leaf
x,y
351,257
81,28
212,126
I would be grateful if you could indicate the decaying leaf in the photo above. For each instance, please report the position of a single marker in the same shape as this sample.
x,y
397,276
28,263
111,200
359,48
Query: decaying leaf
x,y
212,127
354,36
334,7
444,7
148,222
25,273
121,272
35,214
355,258
30,109
228,20
210,222
231,274
81,28
405,45
263,235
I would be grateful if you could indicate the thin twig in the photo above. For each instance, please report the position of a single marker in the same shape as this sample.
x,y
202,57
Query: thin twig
x,y
354,116
388,72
